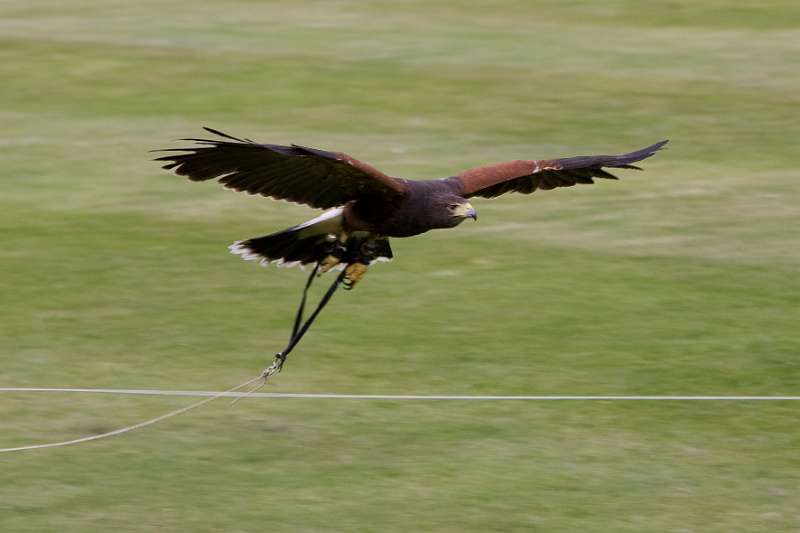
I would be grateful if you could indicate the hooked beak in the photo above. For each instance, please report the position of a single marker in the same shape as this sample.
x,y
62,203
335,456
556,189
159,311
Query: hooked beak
x,y
466,210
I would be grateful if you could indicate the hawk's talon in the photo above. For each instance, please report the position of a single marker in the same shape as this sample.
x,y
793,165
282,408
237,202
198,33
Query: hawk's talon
x,y
328,263
353,274
336,251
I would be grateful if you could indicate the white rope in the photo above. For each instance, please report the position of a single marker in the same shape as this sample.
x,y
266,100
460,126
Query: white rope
x,y
330,396
208,398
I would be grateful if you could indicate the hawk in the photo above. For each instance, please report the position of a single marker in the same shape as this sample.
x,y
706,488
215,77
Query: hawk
x,y
365,207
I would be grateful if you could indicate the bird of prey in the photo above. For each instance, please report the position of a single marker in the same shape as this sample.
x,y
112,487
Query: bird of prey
x,y
365,207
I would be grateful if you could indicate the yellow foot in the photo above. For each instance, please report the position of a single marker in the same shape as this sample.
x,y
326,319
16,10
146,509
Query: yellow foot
x,y
327,264
353,274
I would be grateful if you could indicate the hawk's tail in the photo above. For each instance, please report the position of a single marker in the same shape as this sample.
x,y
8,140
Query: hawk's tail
x,y
305,243
284,248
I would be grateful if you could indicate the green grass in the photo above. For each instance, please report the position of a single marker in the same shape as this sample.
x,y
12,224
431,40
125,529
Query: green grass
x,y
679,280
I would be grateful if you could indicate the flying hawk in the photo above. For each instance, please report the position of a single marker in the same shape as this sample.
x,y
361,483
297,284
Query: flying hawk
x,y
365,206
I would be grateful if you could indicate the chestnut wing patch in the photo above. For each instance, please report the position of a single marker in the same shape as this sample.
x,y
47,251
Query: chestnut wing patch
x,y
525,177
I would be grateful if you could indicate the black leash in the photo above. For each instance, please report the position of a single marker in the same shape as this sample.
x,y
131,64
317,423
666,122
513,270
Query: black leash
x,y
301,309
300,328
353,253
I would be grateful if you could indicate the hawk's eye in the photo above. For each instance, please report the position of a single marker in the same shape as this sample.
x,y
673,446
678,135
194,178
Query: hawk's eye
x,y
452,206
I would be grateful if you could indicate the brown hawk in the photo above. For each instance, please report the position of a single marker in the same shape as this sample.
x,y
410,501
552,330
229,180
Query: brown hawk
x,y
365,206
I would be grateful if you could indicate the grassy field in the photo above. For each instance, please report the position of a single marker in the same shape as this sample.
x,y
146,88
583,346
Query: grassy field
x,y
679,280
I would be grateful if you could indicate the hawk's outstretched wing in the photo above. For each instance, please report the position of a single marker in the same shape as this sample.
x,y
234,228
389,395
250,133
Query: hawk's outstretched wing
x,y
296,173
523,176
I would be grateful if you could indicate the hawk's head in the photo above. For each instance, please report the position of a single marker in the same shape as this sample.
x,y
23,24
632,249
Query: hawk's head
x,y
451,210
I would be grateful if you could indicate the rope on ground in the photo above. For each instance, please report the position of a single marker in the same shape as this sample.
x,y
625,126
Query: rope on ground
x,y
209,396
298,330
400,397
120,431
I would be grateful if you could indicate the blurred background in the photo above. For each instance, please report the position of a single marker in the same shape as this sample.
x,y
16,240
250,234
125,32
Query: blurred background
x,y
682,279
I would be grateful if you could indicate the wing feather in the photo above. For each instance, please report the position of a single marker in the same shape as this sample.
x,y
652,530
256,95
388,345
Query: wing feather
x,y
490,181
310,176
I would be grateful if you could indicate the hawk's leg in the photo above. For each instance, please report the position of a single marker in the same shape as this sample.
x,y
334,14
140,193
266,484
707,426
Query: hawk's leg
x,y
356,270
337,249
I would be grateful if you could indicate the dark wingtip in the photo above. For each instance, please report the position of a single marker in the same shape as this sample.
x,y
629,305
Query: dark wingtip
x,y
200,141
653,148
221,134
625,161
659,145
